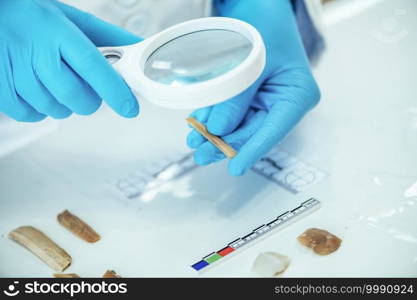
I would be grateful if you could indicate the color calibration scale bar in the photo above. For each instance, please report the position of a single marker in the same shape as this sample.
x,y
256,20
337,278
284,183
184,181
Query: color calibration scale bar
x,y
289,172
257,234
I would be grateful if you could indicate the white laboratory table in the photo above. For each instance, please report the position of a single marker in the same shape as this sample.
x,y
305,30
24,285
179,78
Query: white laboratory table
x,y
363,133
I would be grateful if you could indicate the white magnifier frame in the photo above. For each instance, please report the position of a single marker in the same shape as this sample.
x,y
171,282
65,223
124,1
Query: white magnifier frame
x,y
130,62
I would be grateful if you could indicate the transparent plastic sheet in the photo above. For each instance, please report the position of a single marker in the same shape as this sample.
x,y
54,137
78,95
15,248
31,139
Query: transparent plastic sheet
x,y
378,225
370,148
390,207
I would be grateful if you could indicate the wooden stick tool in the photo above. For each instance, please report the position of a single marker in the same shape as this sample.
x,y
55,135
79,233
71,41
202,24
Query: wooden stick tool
x,y
214,139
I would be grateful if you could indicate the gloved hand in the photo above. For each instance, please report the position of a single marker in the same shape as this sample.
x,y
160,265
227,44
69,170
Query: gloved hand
x,y
50,66
259,118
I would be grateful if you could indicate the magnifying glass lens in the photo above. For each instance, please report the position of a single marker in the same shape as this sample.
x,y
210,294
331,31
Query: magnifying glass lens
x,y
197,57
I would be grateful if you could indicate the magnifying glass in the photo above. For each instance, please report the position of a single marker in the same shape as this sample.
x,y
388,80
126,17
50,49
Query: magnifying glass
x,y
194,64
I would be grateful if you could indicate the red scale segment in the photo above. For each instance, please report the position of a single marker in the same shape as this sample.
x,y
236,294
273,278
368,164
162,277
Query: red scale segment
x,y
225,251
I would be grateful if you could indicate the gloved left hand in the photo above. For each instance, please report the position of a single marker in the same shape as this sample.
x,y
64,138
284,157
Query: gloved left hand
x,y
50,66
259,118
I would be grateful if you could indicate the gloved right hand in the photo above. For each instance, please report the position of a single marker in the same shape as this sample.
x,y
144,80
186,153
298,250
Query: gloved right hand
x,y
258,119
50,66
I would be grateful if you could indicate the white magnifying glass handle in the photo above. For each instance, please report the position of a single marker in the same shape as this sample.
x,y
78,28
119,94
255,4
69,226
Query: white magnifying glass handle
x,y
123,59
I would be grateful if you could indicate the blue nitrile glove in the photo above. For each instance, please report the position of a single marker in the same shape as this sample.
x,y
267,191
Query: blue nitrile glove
x,y
50,66
259,118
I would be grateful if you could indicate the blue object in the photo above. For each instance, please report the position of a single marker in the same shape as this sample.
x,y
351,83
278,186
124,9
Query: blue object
x,y
259,118
50,66
200,265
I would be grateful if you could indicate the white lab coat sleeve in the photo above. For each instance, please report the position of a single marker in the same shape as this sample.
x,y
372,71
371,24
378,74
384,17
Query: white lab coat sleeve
x,y
315,10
